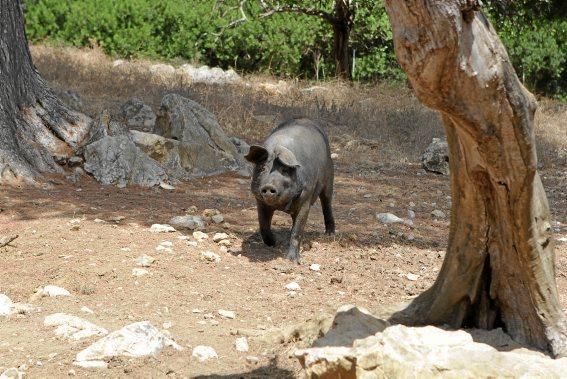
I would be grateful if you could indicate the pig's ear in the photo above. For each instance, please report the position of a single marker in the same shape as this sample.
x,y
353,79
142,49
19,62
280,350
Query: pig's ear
x,y
286,156
256,154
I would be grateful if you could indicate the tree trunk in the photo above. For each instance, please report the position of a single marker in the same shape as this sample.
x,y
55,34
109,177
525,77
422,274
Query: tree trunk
x,y
342,25
35,126
499,267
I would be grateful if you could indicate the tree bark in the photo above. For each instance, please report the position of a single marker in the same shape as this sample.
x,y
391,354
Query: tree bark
x,y
35,126
342,26
499,267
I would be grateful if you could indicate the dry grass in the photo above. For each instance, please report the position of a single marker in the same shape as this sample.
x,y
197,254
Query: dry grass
x,y
357,117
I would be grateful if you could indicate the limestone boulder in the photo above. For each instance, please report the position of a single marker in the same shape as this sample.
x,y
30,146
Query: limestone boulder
x,y
420,352
118,161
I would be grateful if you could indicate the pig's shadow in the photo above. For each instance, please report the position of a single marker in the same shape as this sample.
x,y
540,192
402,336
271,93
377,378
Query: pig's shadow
x,y
254,248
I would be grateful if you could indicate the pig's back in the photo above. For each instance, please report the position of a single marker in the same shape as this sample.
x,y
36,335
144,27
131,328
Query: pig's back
x,y
307,140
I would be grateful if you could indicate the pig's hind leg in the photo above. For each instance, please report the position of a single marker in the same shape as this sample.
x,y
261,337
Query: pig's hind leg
x,y
326,197
265,215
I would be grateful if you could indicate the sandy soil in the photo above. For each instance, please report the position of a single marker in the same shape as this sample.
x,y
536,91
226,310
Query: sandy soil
x,y
365,263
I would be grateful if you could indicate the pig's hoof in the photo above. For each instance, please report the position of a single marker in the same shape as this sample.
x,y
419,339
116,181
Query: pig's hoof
x,y
330,231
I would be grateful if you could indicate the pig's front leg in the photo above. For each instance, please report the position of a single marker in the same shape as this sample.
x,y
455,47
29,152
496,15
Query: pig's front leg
x,y
265,215
299,221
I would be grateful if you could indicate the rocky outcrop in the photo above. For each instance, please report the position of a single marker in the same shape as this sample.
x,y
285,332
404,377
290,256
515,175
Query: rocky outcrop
x,y
424,352
436,157
187,121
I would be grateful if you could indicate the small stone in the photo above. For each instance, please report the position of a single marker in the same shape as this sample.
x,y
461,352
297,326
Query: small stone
x,y
315,267
116,219
334,156
188,222
411,214
166,186
252,359
293,286
367,196
167,324
197,311
219,237
139,272
6,305
162,228
411,204
53,291
72,372
412,277
210,256
208,213
241,344
292,294
224,243
227,314
99,221
87,310
199,236
217,219
203,353
438,214
145,260
388,218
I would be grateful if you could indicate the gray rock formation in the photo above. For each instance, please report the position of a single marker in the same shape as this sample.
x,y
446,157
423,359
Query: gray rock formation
x,y
138,115
436,157
117,160
188,122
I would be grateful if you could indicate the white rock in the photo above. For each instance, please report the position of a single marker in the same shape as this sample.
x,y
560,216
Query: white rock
x,y
411,214
203,353
388,218
166,186
166,243
6,305
162,69
241,344
334,156
134,340
219,237
162,228
118,62
252,359
293,286
12,373
210,256
73,327
227,314
562,239
53,291
87,310
145,260
199,236
412,277
315,267
91,364
139,272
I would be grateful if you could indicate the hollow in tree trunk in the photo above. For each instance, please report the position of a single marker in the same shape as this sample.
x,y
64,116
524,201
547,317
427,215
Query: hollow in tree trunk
x,y
35,126
499,267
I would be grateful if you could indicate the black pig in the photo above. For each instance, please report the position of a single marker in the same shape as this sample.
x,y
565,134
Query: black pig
x,y
292,169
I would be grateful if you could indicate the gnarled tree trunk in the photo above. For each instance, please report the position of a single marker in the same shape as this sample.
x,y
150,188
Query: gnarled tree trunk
x,y
35,126
499,267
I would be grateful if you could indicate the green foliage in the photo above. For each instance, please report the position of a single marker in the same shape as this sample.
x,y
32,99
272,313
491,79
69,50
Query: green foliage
x,y
288,44
535,35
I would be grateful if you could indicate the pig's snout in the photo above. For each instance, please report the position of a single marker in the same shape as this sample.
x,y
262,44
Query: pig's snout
x,y
269,192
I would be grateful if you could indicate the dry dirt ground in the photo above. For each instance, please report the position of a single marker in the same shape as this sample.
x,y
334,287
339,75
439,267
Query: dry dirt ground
x,y
365,263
